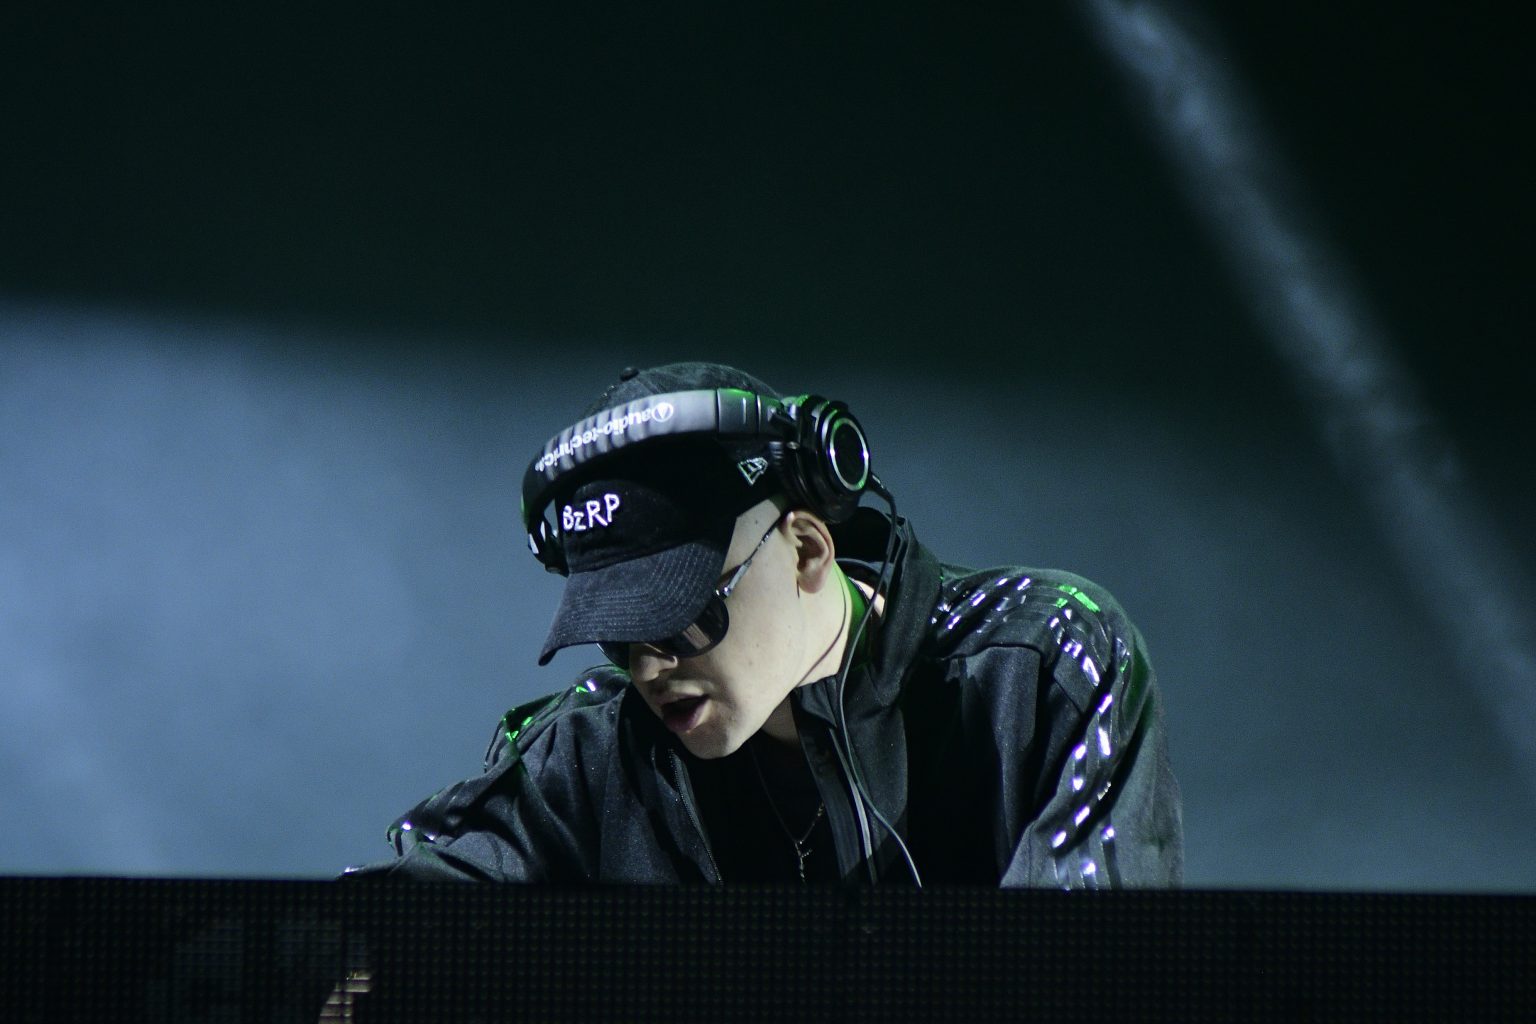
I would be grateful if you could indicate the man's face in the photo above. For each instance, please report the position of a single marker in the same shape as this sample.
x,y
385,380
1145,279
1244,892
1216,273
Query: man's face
x,y
717,700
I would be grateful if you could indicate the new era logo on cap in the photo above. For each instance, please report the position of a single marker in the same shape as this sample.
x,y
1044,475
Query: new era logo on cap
x,y
752,469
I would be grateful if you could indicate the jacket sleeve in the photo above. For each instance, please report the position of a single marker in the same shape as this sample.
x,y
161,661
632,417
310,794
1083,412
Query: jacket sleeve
x,y
1110,812
523,819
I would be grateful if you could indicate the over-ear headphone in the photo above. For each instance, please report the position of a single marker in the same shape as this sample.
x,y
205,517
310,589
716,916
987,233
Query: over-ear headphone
x,y
815,444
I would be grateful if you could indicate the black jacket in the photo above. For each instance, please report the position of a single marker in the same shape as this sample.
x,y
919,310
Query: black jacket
x,y
1006,722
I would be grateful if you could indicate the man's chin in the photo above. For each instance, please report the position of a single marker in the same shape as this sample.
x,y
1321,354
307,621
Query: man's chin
x,y
710,745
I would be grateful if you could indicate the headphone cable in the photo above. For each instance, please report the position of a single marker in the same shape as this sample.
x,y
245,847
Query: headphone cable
x,y
882,586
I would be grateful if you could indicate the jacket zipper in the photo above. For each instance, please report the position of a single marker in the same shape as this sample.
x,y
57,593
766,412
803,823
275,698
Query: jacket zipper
x,y
685,795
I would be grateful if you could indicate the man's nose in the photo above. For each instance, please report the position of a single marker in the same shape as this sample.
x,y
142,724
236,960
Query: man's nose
x,y
646,663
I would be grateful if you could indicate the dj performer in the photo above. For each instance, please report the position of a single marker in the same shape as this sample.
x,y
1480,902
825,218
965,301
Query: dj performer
x,y
796,688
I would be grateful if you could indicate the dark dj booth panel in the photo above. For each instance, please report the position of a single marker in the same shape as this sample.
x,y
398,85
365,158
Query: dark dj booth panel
x,y
87,949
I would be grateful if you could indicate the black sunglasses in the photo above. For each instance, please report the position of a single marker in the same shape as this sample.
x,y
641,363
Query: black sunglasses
x,y
706,631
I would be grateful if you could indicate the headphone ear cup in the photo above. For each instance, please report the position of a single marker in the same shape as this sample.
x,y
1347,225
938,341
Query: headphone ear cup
x,y
826,466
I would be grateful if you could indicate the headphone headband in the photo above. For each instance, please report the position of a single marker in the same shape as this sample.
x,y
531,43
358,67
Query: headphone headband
x,y
816,444
722,412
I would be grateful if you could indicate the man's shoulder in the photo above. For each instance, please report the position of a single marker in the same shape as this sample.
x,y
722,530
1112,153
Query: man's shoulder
x,y
589,706
1020,606
991,628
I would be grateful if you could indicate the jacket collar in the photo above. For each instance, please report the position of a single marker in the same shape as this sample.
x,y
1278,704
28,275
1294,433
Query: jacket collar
x,y
898,632
875,739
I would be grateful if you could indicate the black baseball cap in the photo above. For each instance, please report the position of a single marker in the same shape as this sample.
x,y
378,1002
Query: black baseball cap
x,y
645,529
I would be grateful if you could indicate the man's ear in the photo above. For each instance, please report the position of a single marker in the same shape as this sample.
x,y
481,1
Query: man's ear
x,y
815,552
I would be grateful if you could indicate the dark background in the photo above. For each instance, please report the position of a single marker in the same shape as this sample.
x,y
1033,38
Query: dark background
x,y
289,298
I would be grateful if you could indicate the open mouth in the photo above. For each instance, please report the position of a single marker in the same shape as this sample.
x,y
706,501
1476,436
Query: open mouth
x,y
683,714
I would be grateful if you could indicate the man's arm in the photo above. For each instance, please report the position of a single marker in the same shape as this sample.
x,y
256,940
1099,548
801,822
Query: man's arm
x,y
1112,814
